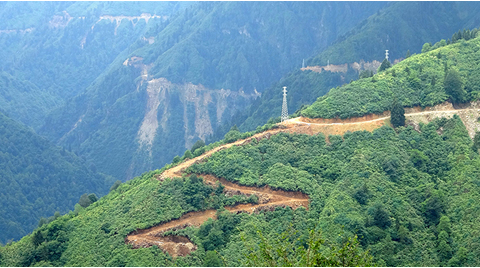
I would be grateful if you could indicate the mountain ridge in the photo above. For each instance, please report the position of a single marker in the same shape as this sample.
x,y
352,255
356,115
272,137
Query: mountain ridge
x,y
401,191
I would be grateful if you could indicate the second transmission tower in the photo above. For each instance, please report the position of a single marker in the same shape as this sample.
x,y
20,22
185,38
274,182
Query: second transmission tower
x,y
284,105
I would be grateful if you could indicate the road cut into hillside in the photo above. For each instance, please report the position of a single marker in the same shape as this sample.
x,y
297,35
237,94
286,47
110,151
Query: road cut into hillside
x,y
268,198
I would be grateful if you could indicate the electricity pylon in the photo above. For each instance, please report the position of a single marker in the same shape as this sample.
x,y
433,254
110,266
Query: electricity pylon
x,y
284,105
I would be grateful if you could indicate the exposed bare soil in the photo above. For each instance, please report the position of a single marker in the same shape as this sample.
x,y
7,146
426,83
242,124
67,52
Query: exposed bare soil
x,y
269,198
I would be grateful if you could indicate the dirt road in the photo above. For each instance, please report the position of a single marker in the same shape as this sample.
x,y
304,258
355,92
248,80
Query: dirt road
x,y
269,198
181,246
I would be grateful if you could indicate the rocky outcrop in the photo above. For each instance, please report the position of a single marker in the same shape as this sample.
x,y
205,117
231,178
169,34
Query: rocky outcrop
x,y
343,68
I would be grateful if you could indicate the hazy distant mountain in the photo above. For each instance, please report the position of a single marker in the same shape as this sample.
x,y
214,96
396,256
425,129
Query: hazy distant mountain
x,y
398,27
54,50
38,178
193,74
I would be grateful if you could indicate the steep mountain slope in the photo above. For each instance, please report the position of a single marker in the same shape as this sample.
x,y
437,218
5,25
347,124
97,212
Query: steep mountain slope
x,y
37,179
416,81
61,47
399,206
398,27
201,68
247,46
408,193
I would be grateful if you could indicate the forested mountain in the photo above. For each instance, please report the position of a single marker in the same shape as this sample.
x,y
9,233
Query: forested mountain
x,y
207,63
409,194
38,179
240,45
399,27
51,51
445,73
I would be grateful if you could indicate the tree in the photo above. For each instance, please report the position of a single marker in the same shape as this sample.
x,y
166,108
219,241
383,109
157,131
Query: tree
x,y
84,201
212,259
199,151
56,215
115,185
37,238
286,251
433,207
454,86
188,155
176,159
476,141
408,54
444,225
365,74
397,112
426,47
381,217
42,221
385,65
233,135
444,249
93,197
198,144
361,195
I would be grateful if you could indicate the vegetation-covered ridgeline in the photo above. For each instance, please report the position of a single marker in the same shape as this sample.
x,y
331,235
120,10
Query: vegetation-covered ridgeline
x,y
409,196
303,87
417,81
400,27
38,179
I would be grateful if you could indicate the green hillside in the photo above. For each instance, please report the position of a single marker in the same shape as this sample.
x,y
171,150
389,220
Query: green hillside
x,y
409,195
402,194
398,27
38,179
418,80
302,88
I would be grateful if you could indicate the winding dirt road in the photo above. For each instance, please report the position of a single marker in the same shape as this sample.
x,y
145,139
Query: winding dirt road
x,y
269,198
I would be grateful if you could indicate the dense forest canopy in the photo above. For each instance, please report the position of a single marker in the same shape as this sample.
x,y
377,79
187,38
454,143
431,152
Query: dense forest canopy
x,y
38,179
55,50
401,193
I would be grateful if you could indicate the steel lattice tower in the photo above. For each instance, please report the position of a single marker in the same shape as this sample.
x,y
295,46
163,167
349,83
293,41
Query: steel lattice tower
x,y
284,105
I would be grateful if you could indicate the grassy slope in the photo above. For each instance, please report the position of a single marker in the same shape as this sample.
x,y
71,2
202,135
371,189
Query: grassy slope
x,y
417,80
414,177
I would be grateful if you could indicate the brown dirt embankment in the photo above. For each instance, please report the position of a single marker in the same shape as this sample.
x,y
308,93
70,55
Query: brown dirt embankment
x,y
268,200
